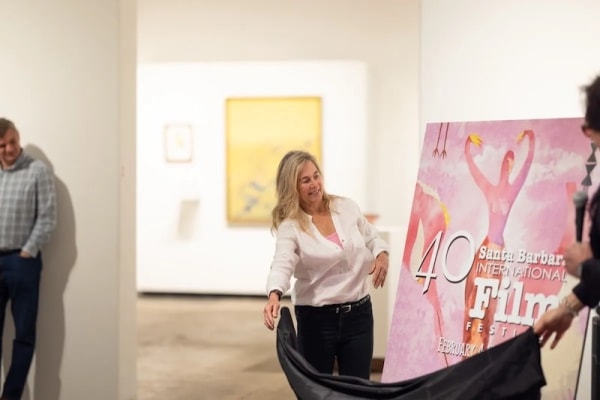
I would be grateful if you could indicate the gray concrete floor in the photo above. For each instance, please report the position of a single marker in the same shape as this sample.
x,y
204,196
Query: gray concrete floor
x,y
196,347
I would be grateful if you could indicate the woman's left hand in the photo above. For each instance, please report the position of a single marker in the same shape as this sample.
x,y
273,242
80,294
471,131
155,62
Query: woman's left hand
x,y
379,269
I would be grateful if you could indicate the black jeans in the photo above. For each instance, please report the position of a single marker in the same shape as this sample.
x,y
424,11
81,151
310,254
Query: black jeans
x,y
19,283
340,331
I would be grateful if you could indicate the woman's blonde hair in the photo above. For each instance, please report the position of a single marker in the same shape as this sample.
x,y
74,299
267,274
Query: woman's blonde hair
x,y
286,185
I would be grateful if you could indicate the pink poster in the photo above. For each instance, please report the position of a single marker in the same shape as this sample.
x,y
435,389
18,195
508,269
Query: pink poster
x,y
492,214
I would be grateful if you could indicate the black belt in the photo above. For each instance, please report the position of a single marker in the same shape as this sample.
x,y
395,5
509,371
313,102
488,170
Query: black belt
x,y
9,252
339,308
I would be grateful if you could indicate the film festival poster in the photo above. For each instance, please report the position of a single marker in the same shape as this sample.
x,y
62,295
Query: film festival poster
x,y
491,217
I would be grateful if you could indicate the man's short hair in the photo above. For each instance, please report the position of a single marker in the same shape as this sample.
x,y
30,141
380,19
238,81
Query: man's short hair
x,y
5,126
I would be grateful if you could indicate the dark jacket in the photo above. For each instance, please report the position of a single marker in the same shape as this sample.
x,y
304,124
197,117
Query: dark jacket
x,y
588,288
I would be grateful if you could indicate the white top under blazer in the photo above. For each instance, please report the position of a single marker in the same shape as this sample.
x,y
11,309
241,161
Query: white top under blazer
x,y
325,272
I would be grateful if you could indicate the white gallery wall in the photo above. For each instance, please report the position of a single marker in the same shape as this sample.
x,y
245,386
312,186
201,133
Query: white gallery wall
x,y
383,34
185,243
383,39
509,59
68,79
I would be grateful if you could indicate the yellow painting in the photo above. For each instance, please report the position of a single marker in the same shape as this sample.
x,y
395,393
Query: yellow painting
x,y
259,131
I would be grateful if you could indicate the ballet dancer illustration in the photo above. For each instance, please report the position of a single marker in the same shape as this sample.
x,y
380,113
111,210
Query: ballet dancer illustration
x,y
536,282
500,199
428,218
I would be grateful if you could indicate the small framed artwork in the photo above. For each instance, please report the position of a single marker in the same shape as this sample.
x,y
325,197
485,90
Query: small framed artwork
x,y
178,143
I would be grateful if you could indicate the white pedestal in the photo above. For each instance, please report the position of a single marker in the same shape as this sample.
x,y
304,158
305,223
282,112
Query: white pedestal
x,y
384,298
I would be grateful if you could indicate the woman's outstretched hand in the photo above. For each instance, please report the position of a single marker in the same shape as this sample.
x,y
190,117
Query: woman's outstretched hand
x,y
271,310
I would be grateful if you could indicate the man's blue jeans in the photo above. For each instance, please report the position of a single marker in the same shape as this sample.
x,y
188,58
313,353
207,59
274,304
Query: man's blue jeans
x,y
19,283
342,331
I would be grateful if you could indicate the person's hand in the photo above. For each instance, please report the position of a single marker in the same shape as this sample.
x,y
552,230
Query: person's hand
x,y
553,322
558,320
25,254
271,310
575,254
379,269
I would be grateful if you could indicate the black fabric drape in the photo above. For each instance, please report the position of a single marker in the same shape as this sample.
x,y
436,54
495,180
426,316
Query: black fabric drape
x,y
511,371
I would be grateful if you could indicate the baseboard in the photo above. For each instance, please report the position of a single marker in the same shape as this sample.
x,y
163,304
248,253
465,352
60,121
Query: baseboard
x,y
377,364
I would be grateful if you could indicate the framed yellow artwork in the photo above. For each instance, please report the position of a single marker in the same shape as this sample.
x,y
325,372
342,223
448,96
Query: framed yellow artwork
x,y
259,131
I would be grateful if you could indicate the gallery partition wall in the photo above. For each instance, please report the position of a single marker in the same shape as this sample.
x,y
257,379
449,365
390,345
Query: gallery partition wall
x,y
69,85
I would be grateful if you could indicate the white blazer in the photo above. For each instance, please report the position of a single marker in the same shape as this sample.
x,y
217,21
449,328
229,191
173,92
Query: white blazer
x,y
325,272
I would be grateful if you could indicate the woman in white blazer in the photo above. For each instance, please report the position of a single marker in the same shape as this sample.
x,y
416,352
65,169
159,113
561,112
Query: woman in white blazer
x,y
327,244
